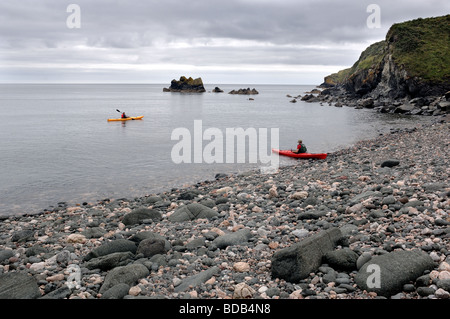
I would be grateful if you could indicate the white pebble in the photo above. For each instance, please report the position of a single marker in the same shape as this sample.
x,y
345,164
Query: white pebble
x,y
435,256
444,266
444,275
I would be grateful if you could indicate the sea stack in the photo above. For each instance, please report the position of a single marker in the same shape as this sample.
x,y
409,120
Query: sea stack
x,y
244,92
186,85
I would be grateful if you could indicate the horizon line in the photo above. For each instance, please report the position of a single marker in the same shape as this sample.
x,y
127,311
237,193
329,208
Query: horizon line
x,y
144,83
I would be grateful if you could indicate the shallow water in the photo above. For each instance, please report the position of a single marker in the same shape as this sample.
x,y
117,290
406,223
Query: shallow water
x,y
56,144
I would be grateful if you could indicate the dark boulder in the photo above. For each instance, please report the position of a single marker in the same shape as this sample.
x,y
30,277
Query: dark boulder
x,y
151,246
390,163
191,212
231,239
129,275
110,261
296,262
341,259
386,274
140,214
118,245
18,285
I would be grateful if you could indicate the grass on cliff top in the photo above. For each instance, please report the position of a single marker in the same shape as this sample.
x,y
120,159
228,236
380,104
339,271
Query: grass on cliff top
x,y
370,58
422,46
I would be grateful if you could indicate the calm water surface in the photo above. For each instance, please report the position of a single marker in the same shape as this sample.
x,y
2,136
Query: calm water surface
x,y
56,144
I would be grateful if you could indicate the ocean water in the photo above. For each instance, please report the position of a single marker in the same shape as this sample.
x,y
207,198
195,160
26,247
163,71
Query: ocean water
x,y
56,144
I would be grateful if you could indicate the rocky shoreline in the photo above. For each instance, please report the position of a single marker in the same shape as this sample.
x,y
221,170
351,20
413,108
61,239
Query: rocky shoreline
x,y
338,96
308,231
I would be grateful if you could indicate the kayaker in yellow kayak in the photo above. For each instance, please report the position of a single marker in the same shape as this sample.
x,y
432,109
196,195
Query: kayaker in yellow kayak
x,y
124,116
301,148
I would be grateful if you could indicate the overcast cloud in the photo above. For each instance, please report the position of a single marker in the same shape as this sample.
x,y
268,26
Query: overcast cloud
x,y
232,41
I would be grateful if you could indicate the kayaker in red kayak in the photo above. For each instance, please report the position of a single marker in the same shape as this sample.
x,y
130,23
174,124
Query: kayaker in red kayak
x,y
301,148
124,116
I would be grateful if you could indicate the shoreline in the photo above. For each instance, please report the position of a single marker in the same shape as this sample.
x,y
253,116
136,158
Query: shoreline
x,y
379,210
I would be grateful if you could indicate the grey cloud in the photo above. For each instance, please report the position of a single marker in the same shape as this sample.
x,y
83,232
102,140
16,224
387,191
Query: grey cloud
x,y
143,31
274,21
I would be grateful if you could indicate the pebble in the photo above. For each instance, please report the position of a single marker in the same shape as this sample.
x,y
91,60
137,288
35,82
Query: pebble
x,y
76,239
442,294
300,233
444,266
228,254
241,267
243,291
444,275
57,277
134,291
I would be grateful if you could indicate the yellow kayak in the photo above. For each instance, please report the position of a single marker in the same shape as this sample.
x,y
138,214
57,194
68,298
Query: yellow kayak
x,y
126,119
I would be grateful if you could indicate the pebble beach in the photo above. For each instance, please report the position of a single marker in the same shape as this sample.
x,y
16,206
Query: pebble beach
x,y
226,238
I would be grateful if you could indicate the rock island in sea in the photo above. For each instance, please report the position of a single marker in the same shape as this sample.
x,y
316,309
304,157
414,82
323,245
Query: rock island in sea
x,y
186,85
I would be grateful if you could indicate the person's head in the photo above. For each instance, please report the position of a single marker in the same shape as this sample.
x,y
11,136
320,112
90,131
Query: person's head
x,y
300,141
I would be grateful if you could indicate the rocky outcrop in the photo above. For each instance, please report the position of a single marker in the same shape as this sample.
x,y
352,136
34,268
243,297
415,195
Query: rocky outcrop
x,y
410,67
247,91
217,90
186,85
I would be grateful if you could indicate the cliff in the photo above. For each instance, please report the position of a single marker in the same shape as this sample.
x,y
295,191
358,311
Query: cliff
x,y
412,62
186,85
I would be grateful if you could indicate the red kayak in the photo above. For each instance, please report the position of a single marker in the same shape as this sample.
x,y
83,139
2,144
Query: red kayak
x,y
289,153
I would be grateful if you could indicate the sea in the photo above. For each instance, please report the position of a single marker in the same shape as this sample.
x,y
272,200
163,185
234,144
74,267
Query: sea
x,y
56,144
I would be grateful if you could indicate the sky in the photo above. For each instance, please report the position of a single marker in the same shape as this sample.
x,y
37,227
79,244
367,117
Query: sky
x,y
223,42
